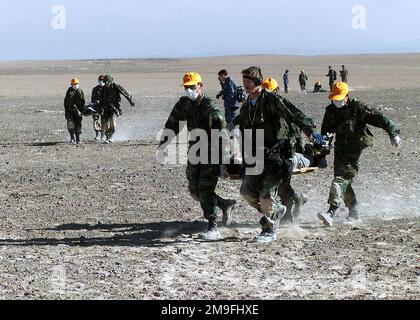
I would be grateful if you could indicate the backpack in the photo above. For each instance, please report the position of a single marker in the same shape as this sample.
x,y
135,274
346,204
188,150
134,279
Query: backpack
x,y
240,94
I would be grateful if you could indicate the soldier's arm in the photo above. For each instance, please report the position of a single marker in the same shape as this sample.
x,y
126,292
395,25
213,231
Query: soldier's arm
x,y
177,115
82,99
377,119
294,115
125,93
327,125
95,96
217,122
69,104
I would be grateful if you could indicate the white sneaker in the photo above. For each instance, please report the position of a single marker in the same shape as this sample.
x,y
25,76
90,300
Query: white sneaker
x,y
212,234
326,218
266,236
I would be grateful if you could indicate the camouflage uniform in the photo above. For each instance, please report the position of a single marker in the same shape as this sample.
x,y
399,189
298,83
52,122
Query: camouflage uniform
x,y
302,81
74,103
96,98
111,106
352,135
202,178
344,74
278,119
332,76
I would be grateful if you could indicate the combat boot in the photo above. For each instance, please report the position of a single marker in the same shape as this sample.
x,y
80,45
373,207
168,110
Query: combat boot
x,y
212,233
227,206
299,199
77,138
72,139
327,217
269,227
287,218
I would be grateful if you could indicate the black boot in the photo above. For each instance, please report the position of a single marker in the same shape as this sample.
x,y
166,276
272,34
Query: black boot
x,y
77,138
72,139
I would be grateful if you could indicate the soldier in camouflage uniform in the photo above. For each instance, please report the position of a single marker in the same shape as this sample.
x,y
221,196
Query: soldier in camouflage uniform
x,y
348,119
74,103
201,112
96,99
271,113
111,106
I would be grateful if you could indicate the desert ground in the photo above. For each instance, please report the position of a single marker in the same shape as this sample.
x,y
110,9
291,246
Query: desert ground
x,y
102,221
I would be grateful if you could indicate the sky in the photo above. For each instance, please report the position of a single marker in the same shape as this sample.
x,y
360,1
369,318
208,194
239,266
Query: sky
x,y
101,29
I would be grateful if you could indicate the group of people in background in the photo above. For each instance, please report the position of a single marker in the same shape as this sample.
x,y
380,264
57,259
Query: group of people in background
x,y
303,78
105,107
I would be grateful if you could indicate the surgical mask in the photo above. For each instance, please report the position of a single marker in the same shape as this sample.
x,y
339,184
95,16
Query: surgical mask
x,y
191,94
75,86
339,103
101,83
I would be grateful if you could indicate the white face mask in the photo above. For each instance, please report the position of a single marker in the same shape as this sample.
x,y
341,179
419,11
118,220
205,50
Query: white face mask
x,y
75,86
191,94
101,83
339,103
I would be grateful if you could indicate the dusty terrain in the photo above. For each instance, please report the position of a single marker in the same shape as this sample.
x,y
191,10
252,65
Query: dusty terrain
x,y
107,222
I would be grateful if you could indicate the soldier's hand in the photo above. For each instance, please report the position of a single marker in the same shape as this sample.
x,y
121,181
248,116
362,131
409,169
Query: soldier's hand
x,y
396,141
218,96
132,104
79,114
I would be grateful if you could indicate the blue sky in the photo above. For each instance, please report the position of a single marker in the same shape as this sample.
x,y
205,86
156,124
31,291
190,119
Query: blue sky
x,y
190,28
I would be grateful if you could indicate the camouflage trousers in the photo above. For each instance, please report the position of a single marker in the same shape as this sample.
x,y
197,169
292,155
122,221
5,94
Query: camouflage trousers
x,y
74,124
263,192
108,124
346,167
202,182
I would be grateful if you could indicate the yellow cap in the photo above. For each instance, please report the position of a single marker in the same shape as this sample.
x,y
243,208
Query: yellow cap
x,y
270,84
74,81
191,79
340,91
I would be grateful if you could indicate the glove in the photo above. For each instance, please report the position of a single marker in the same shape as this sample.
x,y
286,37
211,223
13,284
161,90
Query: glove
x,y
317,138
132,104
218,96
396,141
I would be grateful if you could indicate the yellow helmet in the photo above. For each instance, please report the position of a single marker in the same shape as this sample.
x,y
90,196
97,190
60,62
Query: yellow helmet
x,y
74,81
270,84
340,91
191,79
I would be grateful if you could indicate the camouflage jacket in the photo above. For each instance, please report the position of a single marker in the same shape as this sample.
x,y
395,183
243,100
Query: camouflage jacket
x,y
277,116
74,102
111,96
350,125
96,94
303,78
200,114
